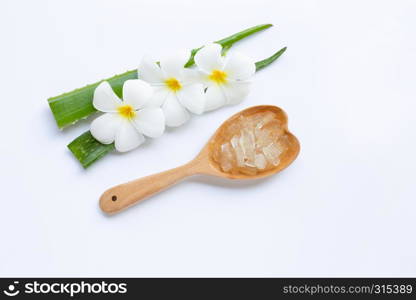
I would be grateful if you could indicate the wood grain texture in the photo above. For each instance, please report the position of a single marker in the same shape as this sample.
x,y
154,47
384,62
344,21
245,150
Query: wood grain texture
x,y
127,194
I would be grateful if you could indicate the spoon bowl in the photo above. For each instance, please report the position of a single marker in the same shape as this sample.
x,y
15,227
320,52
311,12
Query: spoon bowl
x,y
124,195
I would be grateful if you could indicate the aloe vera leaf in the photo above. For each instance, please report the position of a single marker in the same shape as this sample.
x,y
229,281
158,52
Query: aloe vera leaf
x,y
228,42
88,150
265,62
73,106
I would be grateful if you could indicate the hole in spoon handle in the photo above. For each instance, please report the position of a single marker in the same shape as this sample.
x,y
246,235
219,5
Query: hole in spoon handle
x,y
124,195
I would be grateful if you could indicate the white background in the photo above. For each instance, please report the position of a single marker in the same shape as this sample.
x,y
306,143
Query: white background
x,y
345,207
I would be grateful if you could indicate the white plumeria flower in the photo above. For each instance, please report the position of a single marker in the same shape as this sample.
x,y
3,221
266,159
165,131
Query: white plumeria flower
x,y
176,89
125,121
226,78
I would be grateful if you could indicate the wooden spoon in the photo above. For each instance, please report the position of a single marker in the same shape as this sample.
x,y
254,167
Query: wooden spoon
x,y
124,195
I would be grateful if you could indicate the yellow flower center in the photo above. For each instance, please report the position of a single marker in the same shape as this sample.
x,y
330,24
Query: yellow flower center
x,y
126,111
173,84
220,77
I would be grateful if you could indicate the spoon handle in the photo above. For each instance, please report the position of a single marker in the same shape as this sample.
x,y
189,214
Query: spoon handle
x,y
124,195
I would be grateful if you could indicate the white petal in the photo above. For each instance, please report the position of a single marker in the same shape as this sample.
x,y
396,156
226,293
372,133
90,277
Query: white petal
x,y
105,99
190,76
104,128
209,58
172,66
214,98
127,137
160,93
175,113
136,92
239,66
236,91
149,71
150,122
192,97
204,79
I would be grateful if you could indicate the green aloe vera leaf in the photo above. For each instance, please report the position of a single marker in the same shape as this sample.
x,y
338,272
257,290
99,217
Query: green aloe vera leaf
x,y
265,62
73,106
88,150
228,42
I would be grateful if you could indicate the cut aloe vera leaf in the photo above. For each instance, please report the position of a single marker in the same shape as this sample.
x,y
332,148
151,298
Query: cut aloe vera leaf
x,y
71,107
88,150
265,62
228,42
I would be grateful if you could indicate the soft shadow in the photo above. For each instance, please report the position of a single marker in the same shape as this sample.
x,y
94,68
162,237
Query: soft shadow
x,y
147,143
229,183
179,128
70,131
135,207
216,182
